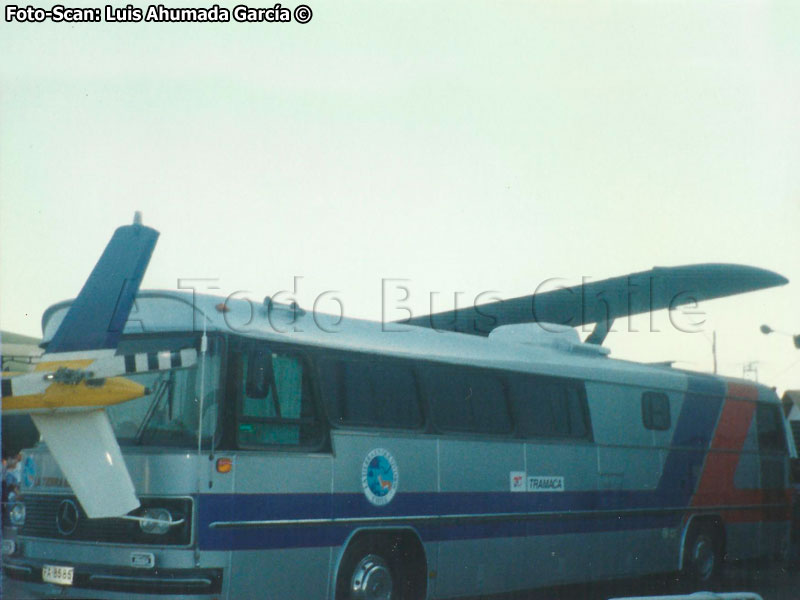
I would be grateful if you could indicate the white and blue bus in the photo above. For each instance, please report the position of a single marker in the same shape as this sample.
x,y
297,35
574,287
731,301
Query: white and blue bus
x,y
307,456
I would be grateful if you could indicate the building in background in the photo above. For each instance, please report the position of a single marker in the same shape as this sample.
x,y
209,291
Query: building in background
x,y
791,408
19,353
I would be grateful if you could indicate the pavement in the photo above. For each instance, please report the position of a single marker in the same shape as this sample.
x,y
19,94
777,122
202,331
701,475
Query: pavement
x,y
770,581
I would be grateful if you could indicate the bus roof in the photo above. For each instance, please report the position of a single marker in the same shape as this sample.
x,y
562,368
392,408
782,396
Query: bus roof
x,y
546,352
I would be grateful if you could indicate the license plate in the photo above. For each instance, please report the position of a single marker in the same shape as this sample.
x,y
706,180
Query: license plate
x,y
58,575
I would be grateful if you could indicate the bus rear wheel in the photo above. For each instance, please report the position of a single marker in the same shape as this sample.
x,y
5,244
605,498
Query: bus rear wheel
x,y
370,571
703,559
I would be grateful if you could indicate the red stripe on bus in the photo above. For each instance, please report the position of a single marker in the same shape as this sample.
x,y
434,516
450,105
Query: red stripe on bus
x,y
716,486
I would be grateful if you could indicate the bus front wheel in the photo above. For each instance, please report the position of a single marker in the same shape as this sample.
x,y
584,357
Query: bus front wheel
x,y
370,570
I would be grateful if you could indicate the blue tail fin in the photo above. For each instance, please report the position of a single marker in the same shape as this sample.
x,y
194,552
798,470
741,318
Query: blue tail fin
x,y
97,316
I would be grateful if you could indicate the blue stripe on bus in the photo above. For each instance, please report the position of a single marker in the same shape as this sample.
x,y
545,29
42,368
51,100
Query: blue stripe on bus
x,y
691,439
275,507
682,469
472,506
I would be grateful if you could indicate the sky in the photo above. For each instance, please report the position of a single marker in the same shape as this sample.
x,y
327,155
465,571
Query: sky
x,y
459,147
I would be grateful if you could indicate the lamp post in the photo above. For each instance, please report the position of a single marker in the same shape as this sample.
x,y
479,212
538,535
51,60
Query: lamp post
x,y
766,330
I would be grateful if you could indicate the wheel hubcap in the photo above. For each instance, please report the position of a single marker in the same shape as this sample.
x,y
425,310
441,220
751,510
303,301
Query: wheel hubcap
x,y
371,580
703,557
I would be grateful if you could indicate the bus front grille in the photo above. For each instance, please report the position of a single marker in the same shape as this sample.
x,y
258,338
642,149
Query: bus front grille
x,y
41,512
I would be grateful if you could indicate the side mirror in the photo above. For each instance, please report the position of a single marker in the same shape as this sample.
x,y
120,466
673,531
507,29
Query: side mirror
x,y
259,374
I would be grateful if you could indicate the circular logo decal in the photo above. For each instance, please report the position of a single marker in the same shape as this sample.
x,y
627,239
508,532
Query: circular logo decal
x,y
379,477
67,517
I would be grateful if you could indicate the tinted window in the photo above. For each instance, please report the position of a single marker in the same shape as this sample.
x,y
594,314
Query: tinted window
x,y
371,393
548,407
795,425
275,403
279,392
770,428
467,400
655,411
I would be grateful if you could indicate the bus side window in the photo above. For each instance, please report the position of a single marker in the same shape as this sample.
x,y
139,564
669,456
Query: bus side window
x,y
770,429
374,393
578,421
548,407
276,407
467,400
772,446
655,411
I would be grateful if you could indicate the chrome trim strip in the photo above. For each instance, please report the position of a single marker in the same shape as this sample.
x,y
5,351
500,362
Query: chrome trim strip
x,y
270,522
19,568
160,580
484,516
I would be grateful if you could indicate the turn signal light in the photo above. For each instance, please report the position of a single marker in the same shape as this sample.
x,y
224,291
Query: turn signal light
x,y
224,465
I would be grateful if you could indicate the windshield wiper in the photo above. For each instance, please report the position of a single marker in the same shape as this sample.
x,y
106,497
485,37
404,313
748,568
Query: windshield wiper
x,y
161,387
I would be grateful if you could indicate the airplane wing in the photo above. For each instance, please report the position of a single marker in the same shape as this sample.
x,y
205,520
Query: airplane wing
x,y
603,301
65,396
84,446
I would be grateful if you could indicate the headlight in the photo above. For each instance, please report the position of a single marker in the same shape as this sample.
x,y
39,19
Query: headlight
x,y
17,514
155,521
9,547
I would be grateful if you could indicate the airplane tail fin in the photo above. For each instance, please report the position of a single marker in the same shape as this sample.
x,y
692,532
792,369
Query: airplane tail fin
x,y
97,316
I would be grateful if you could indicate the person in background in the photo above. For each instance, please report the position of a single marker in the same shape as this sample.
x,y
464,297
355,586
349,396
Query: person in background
x,y
11,471
18,467
13,494
6,490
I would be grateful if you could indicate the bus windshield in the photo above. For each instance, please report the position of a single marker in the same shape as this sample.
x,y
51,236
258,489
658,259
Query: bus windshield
x,y
169,415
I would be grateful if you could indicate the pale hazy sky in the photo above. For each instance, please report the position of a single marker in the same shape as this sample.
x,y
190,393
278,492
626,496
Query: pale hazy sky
x,y
462,146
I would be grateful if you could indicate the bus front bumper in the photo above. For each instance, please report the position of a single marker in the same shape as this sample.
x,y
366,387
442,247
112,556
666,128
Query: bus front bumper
x,y
122,582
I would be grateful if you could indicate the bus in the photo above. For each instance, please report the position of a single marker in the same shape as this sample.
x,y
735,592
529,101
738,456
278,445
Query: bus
x,y
309,456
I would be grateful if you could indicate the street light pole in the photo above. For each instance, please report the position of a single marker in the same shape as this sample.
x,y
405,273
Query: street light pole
x,y
766,330
750,367
714,349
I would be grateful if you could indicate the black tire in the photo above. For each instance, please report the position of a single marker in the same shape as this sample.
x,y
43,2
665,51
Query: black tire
x,y
372,569
702,559
786,554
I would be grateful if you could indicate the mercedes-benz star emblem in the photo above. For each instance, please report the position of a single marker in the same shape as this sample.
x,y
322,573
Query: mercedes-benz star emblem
x,y
67,517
